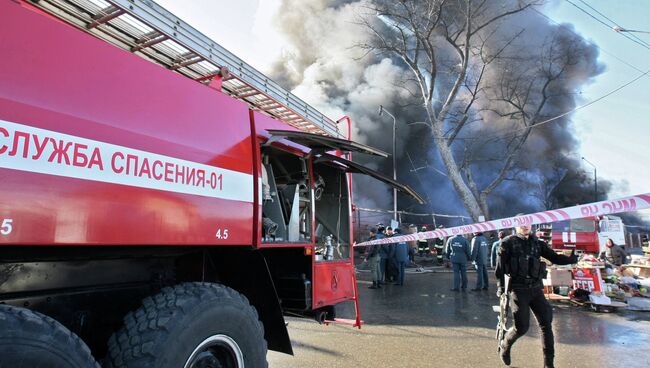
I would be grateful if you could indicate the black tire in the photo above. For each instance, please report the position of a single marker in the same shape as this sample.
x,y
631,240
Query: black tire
x,y
29,339
169,326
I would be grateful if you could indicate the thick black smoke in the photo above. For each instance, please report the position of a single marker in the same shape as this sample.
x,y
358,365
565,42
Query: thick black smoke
x,y
328,71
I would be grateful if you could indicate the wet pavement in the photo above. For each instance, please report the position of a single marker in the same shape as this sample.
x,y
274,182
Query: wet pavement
x,y
423,324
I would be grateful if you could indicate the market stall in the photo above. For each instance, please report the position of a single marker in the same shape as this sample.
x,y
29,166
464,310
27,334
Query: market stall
x,y
602,286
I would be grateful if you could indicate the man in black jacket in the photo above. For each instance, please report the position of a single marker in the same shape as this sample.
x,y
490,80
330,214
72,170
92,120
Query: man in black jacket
x,y
519,259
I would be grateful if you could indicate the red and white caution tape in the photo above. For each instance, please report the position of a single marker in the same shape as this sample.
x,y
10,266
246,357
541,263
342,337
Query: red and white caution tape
x,y
625,204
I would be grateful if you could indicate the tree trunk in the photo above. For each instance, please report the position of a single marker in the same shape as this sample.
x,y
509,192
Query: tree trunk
x,y
470,202
484,206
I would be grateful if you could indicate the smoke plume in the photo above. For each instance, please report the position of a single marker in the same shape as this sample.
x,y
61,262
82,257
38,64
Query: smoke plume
x,y
326,69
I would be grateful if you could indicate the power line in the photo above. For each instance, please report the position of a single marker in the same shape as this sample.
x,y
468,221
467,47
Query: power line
x,y
598,47
572,110
607,25
418,177
615,23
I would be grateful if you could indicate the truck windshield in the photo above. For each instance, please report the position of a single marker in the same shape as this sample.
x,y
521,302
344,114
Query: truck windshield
x,y
577,226
583,226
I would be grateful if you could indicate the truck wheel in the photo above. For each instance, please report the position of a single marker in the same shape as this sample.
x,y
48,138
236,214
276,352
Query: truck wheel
x,y
192,325
30,339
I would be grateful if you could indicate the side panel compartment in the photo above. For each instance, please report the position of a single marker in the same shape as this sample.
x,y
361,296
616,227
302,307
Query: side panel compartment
x,y
79,118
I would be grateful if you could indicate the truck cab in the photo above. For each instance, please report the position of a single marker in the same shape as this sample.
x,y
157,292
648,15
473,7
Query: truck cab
x,y
585,234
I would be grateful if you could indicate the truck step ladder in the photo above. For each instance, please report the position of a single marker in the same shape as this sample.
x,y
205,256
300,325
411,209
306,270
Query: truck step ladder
x,y
150,31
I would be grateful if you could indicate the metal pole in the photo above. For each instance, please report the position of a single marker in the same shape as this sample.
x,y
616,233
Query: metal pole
x,y
381,111
394,172
596,184
595,179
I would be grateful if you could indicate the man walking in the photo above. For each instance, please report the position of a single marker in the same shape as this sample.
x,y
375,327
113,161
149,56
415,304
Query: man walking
x,y
372,257
458,252
519,259
480,259
401,257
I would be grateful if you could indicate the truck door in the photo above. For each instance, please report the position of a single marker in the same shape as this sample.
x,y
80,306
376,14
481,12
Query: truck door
x,y
334,278
334,263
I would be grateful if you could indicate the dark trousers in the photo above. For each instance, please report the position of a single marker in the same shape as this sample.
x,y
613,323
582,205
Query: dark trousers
x,y
481,276
400,267
383,262
522,301
460,274
374,269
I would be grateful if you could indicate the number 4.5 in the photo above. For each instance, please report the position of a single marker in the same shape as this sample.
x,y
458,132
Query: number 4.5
x,y
222,234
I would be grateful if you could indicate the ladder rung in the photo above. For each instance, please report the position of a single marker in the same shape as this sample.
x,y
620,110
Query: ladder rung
x,y
243,89
294,119
270,107
105,15
197,59
285,115
148,40
184,56
249,94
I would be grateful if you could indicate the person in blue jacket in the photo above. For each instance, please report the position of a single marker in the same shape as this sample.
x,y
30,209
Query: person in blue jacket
x,y
458,252
401,257
391,269
495,249
480,249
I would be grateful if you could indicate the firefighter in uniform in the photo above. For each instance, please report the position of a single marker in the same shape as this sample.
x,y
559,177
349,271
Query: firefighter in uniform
x,y
519,258
458,252
423,244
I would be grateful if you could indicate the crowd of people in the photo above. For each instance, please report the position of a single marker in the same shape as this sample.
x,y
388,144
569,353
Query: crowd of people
x,y
519,270
387,262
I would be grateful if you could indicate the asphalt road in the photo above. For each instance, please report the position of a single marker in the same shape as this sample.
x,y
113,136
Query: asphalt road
x,y
423,324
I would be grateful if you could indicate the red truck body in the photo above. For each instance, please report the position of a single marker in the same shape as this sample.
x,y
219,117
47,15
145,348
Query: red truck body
x,y
90,97
586,234
118,174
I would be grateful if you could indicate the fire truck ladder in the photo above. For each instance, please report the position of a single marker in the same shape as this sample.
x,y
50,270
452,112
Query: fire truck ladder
x,y
150,31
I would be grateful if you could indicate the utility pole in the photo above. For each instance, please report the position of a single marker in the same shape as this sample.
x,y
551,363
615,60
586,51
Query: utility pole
x,y
381,111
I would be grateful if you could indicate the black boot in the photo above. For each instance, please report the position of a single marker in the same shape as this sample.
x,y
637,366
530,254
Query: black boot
x,y
374,285
504,353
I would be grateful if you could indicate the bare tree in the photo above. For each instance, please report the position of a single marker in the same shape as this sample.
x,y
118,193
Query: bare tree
x,y
450,46
544,190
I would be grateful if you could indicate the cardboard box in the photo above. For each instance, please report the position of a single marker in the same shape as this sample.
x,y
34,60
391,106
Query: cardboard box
x,y
557,277
640,270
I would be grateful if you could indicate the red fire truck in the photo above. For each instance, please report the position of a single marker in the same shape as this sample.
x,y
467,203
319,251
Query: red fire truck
x,y
585,234
164,209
